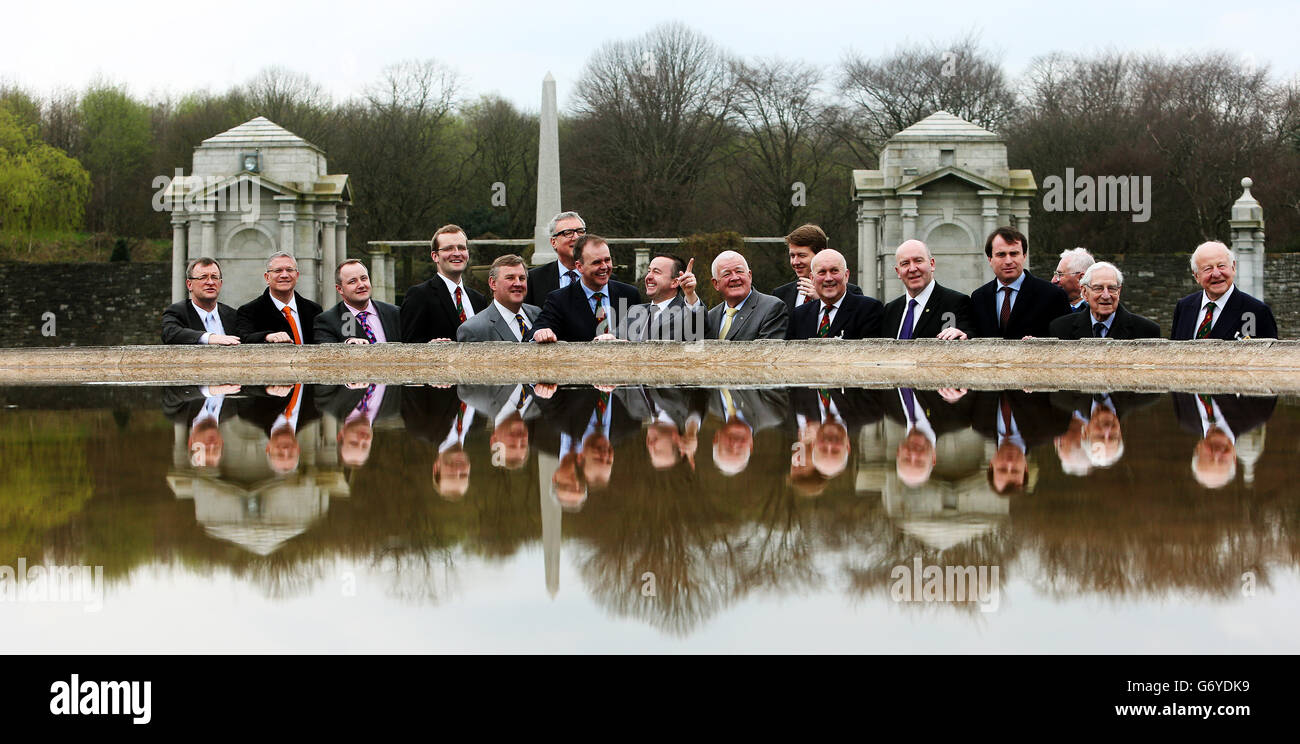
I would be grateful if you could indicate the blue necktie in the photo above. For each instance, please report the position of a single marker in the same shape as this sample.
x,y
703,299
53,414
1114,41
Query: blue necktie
x,y
905,333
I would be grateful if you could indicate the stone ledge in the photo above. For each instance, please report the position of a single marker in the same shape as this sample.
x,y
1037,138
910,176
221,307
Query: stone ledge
x,y
1201,366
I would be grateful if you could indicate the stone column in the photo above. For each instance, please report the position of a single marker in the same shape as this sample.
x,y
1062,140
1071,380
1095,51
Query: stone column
x,y
288,223
642,263
341,238
990,213
180,257
1247,228
208,242
380,281
909,213
328,261
867,248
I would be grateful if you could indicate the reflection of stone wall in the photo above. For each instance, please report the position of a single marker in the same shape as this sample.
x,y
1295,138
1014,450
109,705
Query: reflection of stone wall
x,y
94,304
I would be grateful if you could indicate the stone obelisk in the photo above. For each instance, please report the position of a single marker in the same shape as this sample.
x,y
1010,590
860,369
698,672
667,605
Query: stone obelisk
x,y
548,173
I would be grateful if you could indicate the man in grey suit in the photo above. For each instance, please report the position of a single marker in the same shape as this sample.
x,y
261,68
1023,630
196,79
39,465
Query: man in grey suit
x,y
744,314
674,312
508,318
357,319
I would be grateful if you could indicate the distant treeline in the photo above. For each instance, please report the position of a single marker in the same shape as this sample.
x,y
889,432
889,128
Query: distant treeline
x,y
669,134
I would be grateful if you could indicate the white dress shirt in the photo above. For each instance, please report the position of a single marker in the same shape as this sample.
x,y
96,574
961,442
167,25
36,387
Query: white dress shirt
x,y
465,304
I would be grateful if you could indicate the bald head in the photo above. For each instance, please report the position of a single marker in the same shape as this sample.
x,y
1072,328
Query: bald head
x,y
914,266
830,275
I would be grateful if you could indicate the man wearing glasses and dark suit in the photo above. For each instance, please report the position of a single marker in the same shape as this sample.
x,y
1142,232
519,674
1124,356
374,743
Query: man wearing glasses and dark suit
x,y
565,229
434,309
200,319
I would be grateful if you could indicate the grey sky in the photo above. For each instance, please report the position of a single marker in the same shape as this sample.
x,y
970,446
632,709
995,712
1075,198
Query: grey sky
x,y
506,47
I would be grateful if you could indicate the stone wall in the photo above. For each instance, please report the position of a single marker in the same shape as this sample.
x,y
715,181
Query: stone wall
x,y
93,304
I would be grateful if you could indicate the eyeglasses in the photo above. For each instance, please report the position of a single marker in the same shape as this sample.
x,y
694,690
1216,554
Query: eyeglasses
x,y
1061,274
205,278
282,271
452,247
570,232
1104,288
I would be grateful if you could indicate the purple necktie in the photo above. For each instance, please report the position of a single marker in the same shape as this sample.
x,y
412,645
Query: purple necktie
x,y
905,332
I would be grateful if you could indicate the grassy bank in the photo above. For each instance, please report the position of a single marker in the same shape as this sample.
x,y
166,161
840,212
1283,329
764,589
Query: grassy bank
x,y
78,247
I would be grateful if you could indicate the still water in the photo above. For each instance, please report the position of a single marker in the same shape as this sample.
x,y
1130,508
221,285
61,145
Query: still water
x,y
531,518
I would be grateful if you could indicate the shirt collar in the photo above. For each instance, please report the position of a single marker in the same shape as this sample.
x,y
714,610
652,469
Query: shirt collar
x,y
741,304
508,315
924,296
1220,303
1014,285
369,308
203,314
451,286
292,304
1108,322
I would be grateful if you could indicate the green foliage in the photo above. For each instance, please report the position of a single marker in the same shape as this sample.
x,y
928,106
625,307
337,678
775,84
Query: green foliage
x,y
120,251
44,479
116,143
41,188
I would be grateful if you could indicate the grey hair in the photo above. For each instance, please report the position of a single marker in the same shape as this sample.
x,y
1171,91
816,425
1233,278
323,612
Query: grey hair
x,y
1078,259
1210,244
201,261
550,228
280,254
1119,275
713,270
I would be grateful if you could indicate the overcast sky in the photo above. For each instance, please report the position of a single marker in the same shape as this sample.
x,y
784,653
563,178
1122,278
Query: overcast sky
x,y
506,47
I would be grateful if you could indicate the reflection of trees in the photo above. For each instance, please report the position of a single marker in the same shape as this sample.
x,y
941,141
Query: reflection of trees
x,y
44,479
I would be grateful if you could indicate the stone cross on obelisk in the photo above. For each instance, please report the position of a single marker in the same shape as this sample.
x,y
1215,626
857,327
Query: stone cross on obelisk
x,y
548,173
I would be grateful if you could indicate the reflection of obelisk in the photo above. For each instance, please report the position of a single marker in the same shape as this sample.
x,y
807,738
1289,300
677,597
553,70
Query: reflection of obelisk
x,y
552,517
548,173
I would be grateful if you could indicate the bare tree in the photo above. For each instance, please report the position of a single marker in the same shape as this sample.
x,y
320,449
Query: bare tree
x,y
651,118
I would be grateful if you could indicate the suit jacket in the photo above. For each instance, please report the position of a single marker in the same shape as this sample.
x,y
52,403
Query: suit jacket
x,y
763,316
944,417
429,311
645,403
858,317
181,324
339,401
1231,321
568,311
1242,413
1122,401
258,319
489,325
430,413
788,293
942,301
262,409
1033,413
183,403
490,399
676,323
570,411
1126,325
1038,304
761,408
542,281
330,325
857,407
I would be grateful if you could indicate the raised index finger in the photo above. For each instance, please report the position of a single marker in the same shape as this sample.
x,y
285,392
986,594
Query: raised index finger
x,y
690,265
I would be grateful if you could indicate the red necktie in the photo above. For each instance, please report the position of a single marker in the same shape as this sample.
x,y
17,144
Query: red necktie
x,y
460,308
1006,308
293,327
824,328
1203,329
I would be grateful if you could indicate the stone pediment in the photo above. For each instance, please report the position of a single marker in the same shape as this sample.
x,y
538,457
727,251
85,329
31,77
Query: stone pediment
x,y
942,126
977,182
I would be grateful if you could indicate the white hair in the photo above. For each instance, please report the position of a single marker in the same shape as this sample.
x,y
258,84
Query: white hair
x,y
1078,259
713,270
1232,257
1119,275
280,254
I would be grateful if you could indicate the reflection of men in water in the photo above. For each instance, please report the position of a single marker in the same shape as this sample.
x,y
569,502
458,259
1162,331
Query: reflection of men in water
x,y
915,458
673,419
511,408
451,467
202,409
830,454
733,443
743,412
1219,420
926,414
281,411
1102,439
1095,437
1015,421
1069,448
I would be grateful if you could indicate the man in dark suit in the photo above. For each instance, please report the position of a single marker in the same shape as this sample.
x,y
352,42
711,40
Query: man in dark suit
x,y
434,309
1220,420
744,314
674,312
356,407
203,410
1103,315
1016,422
836,313
508,318
357,318
588,310
926,309
1069,271
924,415
565,228
280,315
200,319
1016,304
281,411
1220,310
803,243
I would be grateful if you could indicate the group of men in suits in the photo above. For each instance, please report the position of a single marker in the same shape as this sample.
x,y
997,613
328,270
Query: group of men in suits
x,y
576,299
